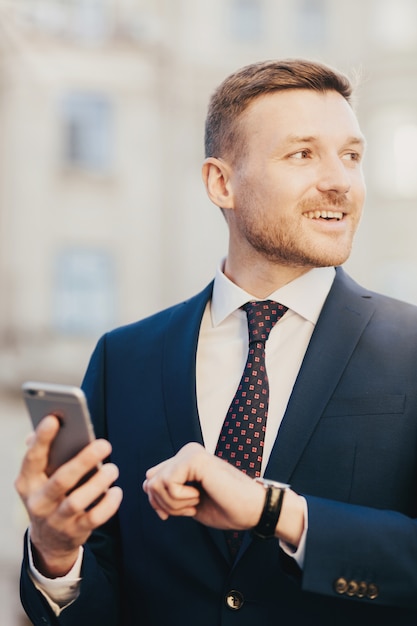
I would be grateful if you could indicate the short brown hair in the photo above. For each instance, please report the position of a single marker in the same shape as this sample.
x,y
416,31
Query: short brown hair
x,y
238,90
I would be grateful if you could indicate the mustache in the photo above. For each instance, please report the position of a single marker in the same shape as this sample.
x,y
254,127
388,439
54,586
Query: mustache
x,y
327,200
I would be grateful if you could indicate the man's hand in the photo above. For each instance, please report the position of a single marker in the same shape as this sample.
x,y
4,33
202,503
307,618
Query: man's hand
x,y
197,484
61,520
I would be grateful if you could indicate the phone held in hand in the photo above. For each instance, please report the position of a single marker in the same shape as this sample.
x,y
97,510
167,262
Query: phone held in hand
x,y
69,404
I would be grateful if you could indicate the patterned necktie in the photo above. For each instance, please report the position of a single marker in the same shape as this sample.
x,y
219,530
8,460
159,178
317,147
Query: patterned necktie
x,y
242,436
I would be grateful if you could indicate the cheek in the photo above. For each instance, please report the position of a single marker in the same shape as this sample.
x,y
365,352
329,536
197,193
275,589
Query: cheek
x,y
282,193
271,194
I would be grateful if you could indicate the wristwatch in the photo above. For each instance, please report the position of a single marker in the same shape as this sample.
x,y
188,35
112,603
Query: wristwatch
x,y
265,528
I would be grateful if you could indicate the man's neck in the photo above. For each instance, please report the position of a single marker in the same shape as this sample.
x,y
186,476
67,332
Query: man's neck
x,y
261,279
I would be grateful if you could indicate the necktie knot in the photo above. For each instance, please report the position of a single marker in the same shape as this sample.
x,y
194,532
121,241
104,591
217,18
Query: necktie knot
x,y
262,317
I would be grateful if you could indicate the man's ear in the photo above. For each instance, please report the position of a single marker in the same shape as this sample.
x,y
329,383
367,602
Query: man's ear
x,y
217,179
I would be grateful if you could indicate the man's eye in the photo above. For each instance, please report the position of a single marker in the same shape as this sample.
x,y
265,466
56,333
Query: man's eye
x,y
301,154
352,156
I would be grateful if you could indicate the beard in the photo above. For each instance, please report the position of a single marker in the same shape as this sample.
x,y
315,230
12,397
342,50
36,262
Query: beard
x,y
288,241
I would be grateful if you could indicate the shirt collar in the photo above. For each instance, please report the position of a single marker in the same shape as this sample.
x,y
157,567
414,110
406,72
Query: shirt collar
x,y
305,295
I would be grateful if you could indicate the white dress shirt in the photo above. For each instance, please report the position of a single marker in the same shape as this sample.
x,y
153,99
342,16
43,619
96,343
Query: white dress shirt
x,y
223,348
221,357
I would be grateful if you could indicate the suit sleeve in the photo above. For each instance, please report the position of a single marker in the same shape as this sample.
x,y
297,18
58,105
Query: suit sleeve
x,y
95,604
361,553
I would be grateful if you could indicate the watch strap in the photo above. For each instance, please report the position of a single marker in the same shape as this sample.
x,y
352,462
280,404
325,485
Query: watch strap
x,y
274,496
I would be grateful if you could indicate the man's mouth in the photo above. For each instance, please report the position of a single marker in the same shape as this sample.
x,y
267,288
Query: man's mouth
x,y
324,215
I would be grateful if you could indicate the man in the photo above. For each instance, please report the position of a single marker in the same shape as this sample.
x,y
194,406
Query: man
x,y
284,163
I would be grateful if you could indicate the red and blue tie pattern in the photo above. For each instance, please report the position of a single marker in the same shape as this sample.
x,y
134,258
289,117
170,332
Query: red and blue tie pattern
x,y
242,436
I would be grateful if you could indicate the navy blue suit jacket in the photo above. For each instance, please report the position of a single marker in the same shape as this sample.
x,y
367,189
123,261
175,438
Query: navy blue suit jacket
x,y
348,442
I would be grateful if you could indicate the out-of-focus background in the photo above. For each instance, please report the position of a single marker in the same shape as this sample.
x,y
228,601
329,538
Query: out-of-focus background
x,y
103,216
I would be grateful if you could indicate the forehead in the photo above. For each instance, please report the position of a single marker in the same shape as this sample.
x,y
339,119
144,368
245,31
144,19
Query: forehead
x,y
281,115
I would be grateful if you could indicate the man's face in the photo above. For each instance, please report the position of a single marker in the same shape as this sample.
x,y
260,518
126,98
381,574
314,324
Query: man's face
x,y
298,188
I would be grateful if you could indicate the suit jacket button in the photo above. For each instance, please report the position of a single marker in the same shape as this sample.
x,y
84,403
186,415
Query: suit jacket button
x,y
373,591
352,588
362,590
234,600
341,585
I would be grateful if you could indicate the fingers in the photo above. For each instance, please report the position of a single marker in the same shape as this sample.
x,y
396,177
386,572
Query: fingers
x,y
30,439
72,516
39,443
45,492
43,495
106,508
171,499
60,526
84,519
168,485
32,473
82,497
66,477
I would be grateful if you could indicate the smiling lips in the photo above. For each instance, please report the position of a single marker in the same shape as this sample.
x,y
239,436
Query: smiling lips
x,y
325,215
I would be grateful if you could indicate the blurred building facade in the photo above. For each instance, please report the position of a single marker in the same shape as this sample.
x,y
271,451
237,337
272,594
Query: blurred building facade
x,y
103,216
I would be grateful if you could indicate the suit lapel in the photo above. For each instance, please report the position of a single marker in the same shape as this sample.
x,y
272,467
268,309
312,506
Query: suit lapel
x,y
179,370
344,317
179,374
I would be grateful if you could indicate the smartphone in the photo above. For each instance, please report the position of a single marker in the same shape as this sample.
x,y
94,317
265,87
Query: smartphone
x,y
69,404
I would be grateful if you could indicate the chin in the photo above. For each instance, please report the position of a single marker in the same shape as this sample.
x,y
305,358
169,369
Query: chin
x,y
330,256
331,261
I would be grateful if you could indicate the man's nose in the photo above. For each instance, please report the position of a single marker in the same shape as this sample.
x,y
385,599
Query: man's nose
x,y
334,176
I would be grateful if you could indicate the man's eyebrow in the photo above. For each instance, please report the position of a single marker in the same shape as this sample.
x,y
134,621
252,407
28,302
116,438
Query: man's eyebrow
x,y
358,140
301,139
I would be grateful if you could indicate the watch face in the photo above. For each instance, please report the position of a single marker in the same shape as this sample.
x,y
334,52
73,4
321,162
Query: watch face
x,y
272,483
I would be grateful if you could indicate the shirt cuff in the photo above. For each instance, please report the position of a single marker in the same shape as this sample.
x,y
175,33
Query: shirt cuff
x,y
59,592
298,554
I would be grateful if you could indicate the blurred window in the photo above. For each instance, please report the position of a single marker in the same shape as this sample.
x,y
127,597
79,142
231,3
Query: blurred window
x,y
87,131
92,20
84,292
89,21
312,22
247,18
393,157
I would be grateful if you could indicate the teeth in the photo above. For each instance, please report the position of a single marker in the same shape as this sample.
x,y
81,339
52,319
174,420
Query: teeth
x,y
315,215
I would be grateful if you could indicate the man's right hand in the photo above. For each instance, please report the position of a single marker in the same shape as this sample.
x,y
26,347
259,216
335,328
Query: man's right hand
x,y
60,517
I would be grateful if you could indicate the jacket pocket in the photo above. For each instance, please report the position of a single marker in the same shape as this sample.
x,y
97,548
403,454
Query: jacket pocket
x,y
370,404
